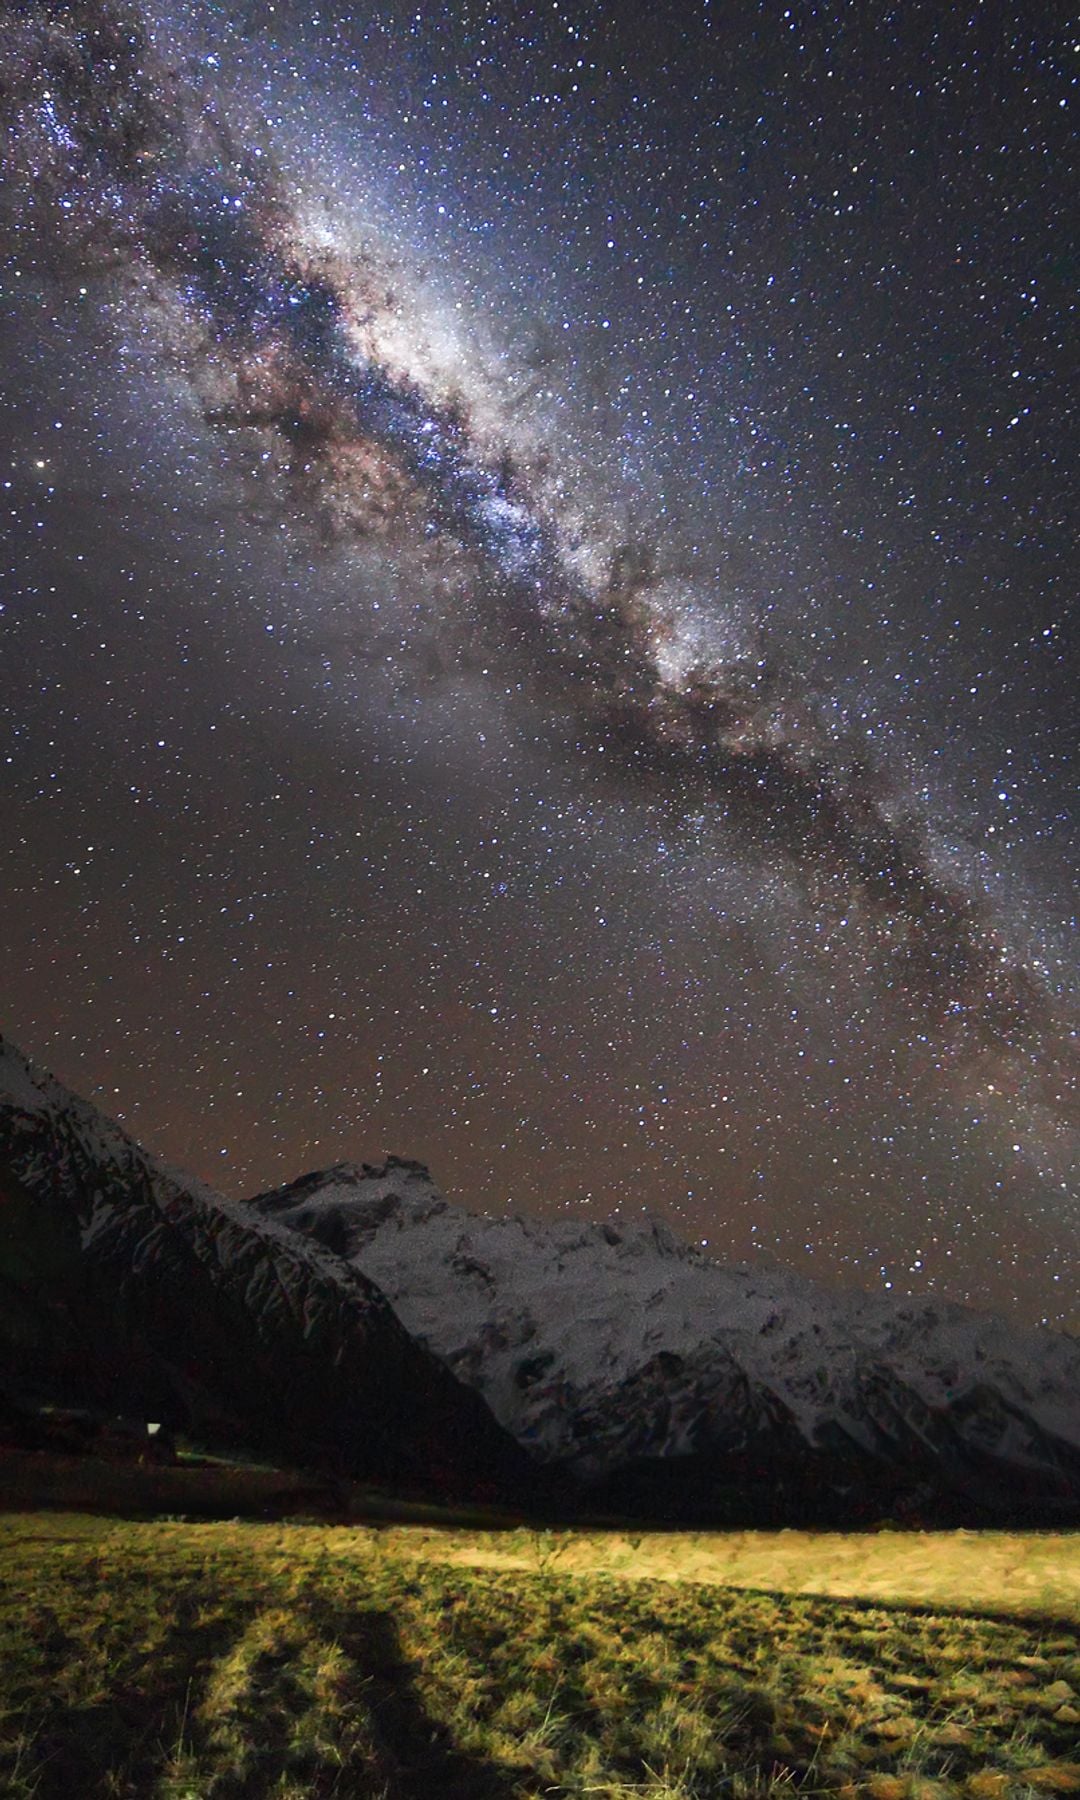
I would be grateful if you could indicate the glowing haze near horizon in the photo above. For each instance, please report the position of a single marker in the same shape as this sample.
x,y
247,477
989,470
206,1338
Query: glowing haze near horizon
x,y
534,621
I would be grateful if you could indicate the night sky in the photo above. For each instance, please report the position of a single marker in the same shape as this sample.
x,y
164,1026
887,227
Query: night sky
x,y
534,621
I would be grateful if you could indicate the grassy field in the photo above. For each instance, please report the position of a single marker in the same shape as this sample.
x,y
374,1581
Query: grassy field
x,y
993,1571
181,1660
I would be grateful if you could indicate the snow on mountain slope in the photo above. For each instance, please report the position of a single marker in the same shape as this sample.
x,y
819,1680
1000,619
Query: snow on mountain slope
x,y
597,1344
131,1288
326,1322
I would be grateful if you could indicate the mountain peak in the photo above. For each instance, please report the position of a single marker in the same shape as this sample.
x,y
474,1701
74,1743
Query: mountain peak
x,y
343,1319
344,1206
599,1344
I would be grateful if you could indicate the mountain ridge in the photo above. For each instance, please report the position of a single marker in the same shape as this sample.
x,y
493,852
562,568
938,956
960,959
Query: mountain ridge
x,y
357,1322
620,1355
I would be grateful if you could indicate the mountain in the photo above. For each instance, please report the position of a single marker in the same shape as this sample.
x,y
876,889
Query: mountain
x,y
128,1288
355,1321
658,1381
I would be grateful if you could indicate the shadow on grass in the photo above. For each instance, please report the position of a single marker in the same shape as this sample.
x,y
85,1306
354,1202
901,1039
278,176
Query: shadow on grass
x,y
269,1704
418,1756
1031,1616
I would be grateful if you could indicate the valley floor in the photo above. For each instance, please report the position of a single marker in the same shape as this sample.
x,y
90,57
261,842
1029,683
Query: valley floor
x,y
991,1571
192,1661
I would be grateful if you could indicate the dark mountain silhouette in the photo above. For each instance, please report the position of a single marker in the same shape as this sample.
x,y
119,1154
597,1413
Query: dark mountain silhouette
x,y
128,1288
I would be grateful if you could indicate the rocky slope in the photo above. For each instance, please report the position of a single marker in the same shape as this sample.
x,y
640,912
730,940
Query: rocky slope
x,y
668,1384
129,1288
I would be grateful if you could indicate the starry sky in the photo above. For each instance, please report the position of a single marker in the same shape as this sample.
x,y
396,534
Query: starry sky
x,y
534,609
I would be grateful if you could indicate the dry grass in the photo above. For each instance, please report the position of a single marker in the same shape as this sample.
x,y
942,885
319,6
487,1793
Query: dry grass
x,y
218,1661
991,1571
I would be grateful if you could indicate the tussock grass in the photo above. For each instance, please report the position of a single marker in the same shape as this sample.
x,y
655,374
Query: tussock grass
x,y
227,1661
991,1571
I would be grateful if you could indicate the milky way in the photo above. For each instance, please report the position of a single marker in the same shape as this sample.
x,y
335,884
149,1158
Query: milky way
x,y
137,184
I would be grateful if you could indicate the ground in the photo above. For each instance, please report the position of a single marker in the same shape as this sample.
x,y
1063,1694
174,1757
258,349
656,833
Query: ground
x,y
184,1660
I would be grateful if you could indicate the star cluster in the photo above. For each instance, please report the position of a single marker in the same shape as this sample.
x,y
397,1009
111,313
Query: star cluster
x,y
534,611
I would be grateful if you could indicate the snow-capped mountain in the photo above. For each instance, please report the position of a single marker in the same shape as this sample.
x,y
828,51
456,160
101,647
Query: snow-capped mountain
x,y
667,1382
356,1320
130,1288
